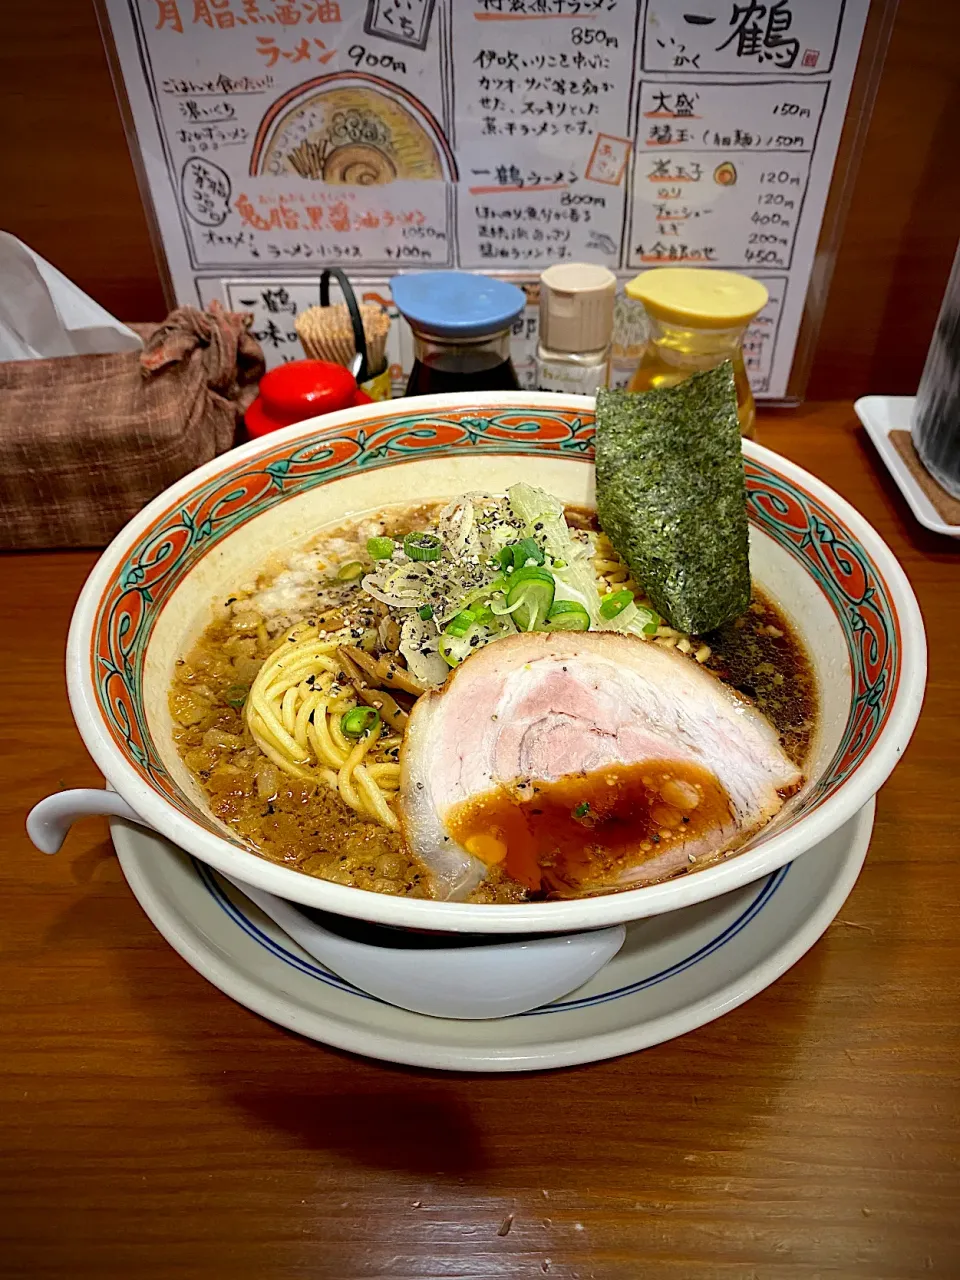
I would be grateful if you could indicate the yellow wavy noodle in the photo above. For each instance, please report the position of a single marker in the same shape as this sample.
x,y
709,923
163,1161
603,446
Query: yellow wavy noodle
x,y
294,715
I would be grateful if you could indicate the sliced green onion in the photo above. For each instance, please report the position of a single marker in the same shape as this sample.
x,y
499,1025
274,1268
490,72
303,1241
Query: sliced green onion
x,y
483,593
422,546
615,603
463,633
582,809
516,554
350,572
648,620
380,548
426,612
568,615
530,573
460,623
532,589
359,721
236,695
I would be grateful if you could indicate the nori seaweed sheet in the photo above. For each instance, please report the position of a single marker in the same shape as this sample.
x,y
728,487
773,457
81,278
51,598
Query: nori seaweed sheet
x,y
671,496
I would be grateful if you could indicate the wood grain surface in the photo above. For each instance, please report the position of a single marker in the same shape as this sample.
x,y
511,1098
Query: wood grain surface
x,y
151,1128
70,190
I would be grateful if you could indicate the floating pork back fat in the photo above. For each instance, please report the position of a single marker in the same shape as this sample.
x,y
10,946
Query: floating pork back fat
x,y
671,496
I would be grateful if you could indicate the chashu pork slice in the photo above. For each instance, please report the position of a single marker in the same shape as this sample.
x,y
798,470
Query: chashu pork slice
x,y
583,762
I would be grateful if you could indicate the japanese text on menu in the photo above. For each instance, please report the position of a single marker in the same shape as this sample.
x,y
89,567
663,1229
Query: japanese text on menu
x,y
491,135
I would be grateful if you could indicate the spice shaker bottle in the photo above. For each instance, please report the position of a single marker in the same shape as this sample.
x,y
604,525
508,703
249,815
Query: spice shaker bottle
x,y
576,325
698,318
461,330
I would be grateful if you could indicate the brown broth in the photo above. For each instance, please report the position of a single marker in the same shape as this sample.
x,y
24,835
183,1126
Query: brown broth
x,y
288,821
761,656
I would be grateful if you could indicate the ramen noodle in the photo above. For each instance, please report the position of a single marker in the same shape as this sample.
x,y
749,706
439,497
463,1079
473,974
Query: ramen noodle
x,y
290,708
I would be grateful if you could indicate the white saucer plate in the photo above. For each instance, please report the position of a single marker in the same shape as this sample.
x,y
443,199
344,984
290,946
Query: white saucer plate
x,y
674,973
881,415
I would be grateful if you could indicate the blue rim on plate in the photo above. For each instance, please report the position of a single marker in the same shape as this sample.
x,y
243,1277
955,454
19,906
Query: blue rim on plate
x,y
749,942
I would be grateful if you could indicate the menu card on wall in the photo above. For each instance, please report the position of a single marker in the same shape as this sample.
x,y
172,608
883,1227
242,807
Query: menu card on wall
x,y
491,135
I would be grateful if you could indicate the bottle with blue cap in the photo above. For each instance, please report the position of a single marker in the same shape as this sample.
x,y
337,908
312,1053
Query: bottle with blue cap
x,y
461,330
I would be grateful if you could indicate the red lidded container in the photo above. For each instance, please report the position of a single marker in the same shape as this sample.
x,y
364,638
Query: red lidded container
x,y
299,390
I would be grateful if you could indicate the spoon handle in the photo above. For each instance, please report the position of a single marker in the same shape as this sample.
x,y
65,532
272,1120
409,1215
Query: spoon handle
x,y
49,821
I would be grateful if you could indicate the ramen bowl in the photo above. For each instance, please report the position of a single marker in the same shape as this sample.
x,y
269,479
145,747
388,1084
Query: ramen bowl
x,y
151,593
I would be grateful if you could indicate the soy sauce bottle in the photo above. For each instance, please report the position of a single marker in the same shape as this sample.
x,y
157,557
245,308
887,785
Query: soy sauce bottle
x,y
461,330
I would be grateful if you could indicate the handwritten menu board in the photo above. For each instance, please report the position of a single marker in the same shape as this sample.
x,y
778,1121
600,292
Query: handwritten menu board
x,y
490,135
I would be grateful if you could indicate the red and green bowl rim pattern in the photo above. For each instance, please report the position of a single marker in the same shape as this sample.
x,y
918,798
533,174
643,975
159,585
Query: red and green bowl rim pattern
x,y
186,530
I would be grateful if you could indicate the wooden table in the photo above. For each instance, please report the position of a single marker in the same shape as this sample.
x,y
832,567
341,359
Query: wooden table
x,y
152,1128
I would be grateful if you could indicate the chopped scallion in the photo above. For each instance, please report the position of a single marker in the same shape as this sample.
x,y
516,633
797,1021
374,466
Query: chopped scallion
x,y
359,721
568,615
380,548
615,603
516,554
461,623
350,572
532,589
648,621
422,546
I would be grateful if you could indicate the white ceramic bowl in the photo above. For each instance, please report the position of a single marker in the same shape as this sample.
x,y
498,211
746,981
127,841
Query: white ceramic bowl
x,y
151,591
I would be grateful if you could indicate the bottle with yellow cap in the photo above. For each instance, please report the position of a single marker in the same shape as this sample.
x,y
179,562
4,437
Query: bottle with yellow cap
x,y
698,318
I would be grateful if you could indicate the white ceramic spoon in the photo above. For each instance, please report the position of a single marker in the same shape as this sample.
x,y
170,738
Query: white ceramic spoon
x,y
477,979
474,979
